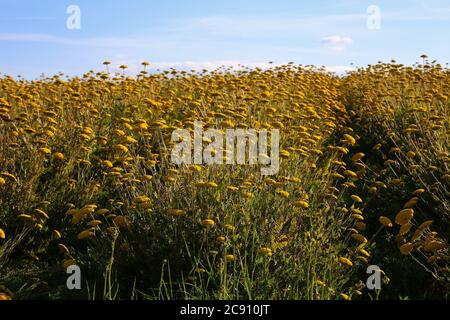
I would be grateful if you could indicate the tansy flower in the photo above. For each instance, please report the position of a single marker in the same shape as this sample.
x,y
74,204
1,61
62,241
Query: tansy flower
x,y
177,212
208,222
406,248
356,199
45,150
4,296
344,296
266,251
404,216
57,234
385,221
345,261
301,204
2,234
120,148
58,156
121,222
85,234
68,262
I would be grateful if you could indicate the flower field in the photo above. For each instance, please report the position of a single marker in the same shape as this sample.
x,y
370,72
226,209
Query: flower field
x,y
86,179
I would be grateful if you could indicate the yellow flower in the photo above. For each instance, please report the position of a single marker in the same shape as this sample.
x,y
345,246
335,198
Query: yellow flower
x,y
356,199
4,296
418,192
282,193
350,174
385,221
433,245
360,238
141,199
63,249
2,234
320,283
344,296
177,212
121,222
120,148
94,223
58,156
345,261
349,139
57,234
229,227
221,238
266,251
404,216
85,234
404,229
208,222
68,262
358,157
101,212
45,150
230,257
107,163
406,248
301,204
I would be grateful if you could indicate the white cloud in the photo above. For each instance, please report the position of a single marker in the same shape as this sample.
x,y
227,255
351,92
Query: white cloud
x,y
337,43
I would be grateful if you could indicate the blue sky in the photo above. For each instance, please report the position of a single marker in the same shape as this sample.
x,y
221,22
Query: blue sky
x,y
194,34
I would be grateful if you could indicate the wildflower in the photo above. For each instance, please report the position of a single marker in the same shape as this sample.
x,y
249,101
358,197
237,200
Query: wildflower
x,y
68,262
404,216
85,234
229,227
282,193
266,251
433,245
121,222
101,212
359,238
58,156
120,148
141,199
230,257
208,222
177,212
356,199
385,221
4,296
404,229
57,234
301,204
350,174
2,234
344,296
345,261
221,238
349,139
406,248
358,157
94,223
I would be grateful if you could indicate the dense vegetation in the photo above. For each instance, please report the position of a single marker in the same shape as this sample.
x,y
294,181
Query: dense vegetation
x,y
86,178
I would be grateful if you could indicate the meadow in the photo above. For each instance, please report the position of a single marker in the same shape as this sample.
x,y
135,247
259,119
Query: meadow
x,y
86,179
